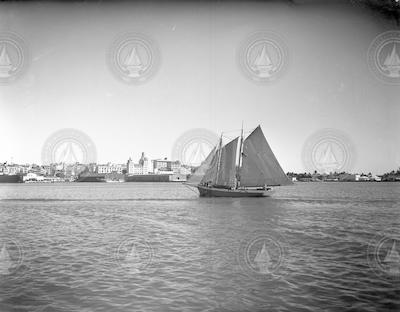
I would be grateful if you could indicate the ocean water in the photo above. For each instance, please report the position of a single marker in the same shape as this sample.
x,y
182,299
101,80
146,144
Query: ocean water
x,y
158,247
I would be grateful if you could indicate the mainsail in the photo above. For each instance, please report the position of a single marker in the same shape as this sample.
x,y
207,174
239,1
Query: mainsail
x,y
227,166
259,164
198,175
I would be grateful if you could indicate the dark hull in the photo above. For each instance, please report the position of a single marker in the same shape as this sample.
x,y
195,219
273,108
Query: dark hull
x,y
10,179
220,192
91,179
147,178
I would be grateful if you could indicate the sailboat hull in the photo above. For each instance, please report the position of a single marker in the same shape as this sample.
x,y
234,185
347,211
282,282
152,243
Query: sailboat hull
x,y
220,192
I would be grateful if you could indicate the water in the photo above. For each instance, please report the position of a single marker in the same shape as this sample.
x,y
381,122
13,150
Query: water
x,y
158,247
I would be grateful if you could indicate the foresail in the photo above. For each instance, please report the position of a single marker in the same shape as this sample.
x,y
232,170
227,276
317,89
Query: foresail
x,y
211,172
198,175
259,164
227,169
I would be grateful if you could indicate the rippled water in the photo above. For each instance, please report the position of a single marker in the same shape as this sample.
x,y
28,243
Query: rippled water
x,y
158,247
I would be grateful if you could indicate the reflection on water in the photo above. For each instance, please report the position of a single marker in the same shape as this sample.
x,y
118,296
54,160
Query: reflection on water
x,y
157,247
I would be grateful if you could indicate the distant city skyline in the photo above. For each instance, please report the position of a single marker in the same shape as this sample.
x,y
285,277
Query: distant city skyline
x,y
185,71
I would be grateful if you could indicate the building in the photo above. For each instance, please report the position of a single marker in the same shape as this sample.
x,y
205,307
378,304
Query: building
x,y
104,168
378,178
142,167
130,166
11,170
117,168
110,168
164,165
361,177
33,177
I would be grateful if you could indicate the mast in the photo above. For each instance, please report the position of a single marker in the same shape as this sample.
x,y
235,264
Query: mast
x,y
219,158
240,158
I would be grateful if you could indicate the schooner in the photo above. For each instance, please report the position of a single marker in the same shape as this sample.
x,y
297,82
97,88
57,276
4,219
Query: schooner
x,y
241,168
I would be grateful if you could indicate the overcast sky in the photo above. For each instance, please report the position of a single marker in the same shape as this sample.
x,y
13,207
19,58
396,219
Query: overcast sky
x,y
198,84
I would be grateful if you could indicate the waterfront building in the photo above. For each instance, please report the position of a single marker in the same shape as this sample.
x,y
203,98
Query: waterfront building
x,y
110,168
163,171
166,165
31,176
141,168
144,165
130,166
378,178
117,168
11,170
24,169
104,168
361,177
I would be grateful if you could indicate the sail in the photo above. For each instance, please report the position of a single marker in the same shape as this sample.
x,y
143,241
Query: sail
x,y
259,164
211,172
227,168
196,177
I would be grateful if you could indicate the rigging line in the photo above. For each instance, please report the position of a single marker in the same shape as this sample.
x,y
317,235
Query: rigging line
x,y
190,188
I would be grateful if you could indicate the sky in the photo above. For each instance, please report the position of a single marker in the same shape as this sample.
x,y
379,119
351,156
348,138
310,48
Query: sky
x,y
198,81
